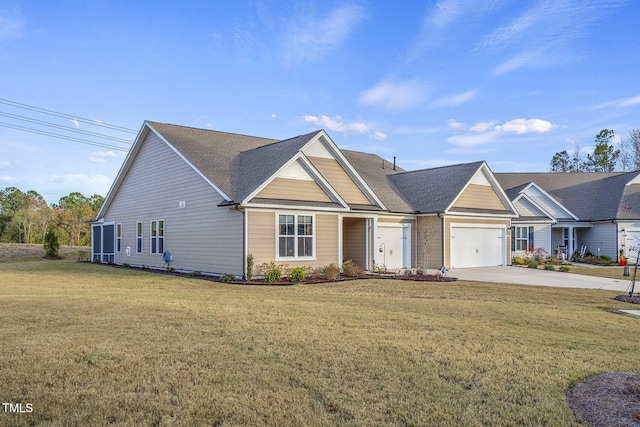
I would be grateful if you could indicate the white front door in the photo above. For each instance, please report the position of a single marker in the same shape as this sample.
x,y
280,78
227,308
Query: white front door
x,y
393,245
477,246
632,245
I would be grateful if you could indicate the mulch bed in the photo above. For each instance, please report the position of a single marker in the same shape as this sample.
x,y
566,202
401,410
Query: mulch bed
x,y
627,298
608,400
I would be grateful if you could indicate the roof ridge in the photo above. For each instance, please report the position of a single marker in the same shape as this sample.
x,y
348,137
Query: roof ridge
x,y
151,122
442,167
282,140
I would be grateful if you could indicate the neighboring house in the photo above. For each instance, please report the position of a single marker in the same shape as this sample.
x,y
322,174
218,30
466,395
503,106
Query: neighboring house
x,y
211,198
599,212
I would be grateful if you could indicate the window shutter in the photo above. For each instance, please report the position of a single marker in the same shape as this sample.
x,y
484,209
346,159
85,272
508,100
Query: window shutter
x,y
531,237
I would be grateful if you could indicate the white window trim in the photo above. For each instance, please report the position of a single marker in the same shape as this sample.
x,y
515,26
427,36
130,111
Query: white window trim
x,y
158,237
140,226
119,237
296,214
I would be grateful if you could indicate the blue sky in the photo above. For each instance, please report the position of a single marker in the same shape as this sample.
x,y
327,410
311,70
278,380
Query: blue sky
x,y
431,82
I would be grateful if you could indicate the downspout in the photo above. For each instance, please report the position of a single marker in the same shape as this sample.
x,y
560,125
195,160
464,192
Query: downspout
x,y
244,240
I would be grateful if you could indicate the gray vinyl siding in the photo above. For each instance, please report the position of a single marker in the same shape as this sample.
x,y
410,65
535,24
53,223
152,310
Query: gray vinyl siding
x,y
201,236
602,236
541,238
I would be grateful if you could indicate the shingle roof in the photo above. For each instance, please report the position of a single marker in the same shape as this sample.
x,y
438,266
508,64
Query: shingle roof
x,y
591,196
376,172
433,190
237,164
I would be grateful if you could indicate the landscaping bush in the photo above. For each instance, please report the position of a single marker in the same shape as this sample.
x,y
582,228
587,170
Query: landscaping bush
x,y
273,275
564,269
328,272
297,275
227,278
532,264
249,267
349,268
549,267
51,244
518,260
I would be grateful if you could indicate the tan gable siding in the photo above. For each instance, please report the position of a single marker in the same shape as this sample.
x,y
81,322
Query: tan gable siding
x,y
261,237
157,180
294,189
479,197
339,180
471,220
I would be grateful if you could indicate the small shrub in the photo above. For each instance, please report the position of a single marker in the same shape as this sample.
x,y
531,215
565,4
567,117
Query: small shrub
x,y
51,244
352,270
195,273
532,264
273,275
126,265
171,270
328,272
518,260
564,269
297,275
84,256
549,267
249,267
379,268
227,278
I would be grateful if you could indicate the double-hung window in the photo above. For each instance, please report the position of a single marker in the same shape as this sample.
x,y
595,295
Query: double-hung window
x,y
157,236
523,239
139,237
118,237
295,236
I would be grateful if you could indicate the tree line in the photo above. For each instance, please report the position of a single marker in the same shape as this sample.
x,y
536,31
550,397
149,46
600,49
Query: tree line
x,y
26,217
605,156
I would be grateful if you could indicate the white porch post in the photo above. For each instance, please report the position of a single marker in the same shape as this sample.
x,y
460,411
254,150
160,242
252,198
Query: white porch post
x,y
571,244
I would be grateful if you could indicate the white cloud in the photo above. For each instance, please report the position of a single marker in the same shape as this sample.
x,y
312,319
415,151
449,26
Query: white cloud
x,y
482,126
379,135
395,96
455,100
631,101
6,179
473,139
521,126
101,156
310,38
78,178
8,164
337,123
453,124
75,123
274,115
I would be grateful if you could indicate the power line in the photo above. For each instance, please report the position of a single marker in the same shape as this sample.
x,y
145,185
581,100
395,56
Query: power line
x,y
69,129
68,138
67,116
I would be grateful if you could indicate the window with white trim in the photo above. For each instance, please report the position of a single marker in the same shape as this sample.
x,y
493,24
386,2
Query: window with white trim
x,y
523,238
157,236
118,237
139,237
295,236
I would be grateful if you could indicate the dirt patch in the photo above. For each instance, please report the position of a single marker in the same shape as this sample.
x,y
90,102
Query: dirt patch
x,y
611,400
21,250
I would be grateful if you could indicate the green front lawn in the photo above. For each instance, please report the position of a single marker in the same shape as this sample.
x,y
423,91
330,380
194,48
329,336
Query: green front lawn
x,y
88,344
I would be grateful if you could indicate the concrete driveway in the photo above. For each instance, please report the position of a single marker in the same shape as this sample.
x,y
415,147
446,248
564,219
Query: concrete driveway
x,y
528,276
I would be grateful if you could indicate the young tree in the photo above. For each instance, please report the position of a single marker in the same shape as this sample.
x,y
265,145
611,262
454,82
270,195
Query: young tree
x,y
51,244
630,157
605,156
560,162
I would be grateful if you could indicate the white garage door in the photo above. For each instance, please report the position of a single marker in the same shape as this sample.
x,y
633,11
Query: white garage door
x,y
477,246
632,245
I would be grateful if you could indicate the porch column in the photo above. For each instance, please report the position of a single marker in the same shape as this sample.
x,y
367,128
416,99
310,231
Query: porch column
x,y
570,246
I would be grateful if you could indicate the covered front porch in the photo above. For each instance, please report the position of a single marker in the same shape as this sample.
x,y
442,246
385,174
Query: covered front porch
x,y
373,243
566,238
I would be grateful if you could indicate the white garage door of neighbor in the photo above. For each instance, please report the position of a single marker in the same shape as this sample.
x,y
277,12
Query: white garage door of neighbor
x,y
477,247
632,245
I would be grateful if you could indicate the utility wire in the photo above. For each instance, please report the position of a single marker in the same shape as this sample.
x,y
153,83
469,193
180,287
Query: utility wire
x,y
85,132
67,116
68,138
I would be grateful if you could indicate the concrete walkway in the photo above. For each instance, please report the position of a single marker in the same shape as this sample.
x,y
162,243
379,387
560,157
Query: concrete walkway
x,y
528,276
